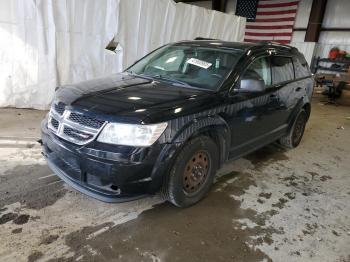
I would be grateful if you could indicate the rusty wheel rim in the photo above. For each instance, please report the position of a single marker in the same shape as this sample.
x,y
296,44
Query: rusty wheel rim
x,y
196,172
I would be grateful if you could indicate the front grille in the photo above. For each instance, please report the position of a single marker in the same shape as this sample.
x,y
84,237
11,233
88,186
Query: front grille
x,y
85,120
54,123
73,126
76,134
59,108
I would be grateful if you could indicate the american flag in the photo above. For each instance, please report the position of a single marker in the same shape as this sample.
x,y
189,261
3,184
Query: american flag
x,y
274,21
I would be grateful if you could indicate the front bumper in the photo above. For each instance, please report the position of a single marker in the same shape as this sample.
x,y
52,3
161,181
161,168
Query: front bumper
x,y
105,172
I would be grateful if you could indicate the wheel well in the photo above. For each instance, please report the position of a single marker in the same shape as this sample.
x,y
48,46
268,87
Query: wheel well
x,y
215,136
307,108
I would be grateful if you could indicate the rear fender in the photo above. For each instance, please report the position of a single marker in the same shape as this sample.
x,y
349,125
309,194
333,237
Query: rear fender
x,y
301,103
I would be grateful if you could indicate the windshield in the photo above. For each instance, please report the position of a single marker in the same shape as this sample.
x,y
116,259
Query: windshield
x,y
191,66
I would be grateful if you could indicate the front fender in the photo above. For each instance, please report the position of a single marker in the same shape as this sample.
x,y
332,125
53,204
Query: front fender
x,y
200,125
215,126
181,130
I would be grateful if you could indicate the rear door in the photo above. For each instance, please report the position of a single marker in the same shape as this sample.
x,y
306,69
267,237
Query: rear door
x,y
304,81
282,92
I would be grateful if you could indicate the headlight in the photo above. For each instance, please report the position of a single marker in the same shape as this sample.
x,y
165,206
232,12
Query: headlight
x,y
130,134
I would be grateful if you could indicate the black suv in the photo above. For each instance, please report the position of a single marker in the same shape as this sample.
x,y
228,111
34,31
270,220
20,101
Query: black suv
x,y
174,117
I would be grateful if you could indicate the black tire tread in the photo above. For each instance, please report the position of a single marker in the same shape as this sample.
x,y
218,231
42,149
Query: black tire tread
x,y
169,182
287,140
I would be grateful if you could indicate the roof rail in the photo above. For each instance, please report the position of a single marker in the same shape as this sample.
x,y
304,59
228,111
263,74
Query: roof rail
x,y
204,38
275,44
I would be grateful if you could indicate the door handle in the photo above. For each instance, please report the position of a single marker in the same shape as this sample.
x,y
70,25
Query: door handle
x,y
298,89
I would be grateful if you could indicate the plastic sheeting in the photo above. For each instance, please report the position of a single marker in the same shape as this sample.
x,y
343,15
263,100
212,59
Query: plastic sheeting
x,y
46,43
180,21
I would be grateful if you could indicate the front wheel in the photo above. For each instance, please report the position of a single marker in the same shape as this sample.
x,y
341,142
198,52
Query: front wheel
x,y
192,173
293,138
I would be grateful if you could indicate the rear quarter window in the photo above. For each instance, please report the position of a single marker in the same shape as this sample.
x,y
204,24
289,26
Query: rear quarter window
x,y
282,69
301,68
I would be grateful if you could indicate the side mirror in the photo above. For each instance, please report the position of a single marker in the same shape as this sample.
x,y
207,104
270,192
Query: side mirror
x,y
251,85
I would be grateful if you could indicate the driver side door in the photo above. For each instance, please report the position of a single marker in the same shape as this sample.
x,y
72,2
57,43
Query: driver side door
x,y
251,112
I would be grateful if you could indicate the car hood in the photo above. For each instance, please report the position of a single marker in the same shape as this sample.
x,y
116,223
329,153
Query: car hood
x,y
130,98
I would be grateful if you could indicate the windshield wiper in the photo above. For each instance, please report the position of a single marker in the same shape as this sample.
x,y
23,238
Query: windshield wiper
x,y
140,75
131,72
160,77
172,80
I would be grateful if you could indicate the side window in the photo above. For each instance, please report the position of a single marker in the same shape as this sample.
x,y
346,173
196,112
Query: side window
x,y
260,70
301,68
282,69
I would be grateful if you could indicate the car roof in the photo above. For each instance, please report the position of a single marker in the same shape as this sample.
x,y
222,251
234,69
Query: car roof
x,y
237,45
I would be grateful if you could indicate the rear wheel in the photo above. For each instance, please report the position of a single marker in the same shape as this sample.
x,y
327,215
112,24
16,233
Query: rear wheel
x,y
192,173
293,138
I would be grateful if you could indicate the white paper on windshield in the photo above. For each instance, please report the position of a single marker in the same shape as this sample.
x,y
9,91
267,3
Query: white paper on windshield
x,y
200,63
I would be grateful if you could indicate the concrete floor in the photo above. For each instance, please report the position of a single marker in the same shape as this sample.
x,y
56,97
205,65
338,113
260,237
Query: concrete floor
x,y
272,205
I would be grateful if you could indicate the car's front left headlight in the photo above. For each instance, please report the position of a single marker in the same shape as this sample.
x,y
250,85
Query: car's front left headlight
x,y
131,134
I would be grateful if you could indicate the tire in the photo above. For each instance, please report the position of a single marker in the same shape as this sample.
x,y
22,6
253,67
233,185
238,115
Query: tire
x,y
192,172
295,134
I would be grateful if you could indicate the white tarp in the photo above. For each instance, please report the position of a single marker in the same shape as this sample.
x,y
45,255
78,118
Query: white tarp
x,y
46,43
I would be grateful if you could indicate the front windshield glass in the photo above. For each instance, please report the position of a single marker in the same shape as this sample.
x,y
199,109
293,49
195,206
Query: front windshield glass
x,y
191,66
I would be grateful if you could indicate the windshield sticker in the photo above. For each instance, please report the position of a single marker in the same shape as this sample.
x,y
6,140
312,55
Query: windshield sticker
x,y
200,63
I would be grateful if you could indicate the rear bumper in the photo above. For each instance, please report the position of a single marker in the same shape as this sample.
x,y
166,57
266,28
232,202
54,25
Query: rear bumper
x,y
107,173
